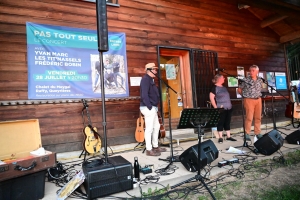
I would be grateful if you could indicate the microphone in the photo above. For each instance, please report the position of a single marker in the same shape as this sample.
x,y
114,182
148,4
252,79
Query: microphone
x,y
150,68
220,69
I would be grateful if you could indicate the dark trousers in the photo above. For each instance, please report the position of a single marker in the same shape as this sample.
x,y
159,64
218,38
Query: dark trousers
x,y
225,119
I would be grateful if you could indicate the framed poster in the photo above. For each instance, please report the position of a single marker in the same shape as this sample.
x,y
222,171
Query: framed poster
x,y
270,77
170,71
280,78
240,72
262,74
232,81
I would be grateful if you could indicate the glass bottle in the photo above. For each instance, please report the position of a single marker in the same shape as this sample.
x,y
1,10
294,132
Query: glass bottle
x,y
136,169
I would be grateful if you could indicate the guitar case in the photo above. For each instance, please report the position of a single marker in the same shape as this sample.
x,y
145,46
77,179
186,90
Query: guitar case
x,y
293,138
18,139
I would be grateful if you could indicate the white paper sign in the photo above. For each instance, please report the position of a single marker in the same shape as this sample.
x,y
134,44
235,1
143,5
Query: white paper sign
x,y
235,150
135,81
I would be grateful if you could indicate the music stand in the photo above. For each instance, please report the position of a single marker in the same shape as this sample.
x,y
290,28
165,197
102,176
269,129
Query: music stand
x,y
199,118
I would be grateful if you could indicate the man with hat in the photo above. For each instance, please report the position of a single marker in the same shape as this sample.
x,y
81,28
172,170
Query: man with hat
x,y
148,107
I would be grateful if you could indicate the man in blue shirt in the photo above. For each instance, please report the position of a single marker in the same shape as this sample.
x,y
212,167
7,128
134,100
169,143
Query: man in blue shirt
x,y
148,107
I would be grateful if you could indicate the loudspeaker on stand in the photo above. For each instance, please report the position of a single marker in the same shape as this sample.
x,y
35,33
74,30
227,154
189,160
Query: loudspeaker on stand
x,y
102,25
189,158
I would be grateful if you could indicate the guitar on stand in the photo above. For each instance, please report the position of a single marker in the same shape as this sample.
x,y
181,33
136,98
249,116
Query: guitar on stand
x,y
296,108
92,140
140,130
162,131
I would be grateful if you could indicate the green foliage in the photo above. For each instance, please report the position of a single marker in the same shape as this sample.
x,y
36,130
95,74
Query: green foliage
x,y
156,192
293,50
288,192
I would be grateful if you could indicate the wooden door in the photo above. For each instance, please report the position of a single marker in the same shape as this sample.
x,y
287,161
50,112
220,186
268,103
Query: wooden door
x,y
175,71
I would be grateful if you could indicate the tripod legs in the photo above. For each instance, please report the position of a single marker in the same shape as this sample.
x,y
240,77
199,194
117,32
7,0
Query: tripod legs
x,y
198,178
83,152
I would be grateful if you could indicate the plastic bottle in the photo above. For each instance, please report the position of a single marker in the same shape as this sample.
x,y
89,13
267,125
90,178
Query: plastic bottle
x,y
136,169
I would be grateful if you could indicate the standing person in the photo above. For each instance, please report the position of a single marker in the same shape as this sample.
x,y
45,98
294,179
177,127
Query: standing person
x,y
148,107
298,90
116,72
220,98
250,89
97,75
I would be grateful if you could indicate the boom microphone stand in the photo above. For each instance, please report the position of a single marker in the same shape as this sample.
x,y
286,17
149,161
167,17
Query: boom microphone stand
x,y
171,158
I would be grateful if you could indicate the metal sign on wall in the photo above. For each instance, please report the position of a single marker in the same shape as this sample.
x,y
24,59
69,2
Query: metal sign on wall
x,y
63,63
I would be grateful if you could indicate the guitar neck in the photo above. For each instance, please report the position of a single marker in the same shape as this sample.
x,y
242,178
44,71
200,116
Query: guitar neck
x,y
88,116
85,105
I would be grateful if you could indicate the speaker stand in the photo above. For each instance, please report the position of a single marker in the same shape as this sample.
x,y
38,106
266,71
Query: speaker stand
x,y
198,177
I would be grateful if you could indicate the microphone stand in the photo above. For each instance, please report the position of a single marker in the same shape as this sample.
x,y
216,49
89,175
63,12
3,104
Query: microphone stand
x,y
171,158
245,144
272,102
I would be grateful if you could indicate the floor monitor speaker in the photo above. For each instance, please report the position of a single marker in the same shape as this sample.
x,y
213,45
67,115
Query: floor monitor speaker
x,y
189,158
293,138
102,179
269,143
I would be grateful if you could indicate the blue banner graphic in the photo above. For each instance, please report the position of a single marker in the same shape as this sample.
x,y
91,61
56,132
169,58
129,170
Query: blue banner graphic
x,y
280,81
63,63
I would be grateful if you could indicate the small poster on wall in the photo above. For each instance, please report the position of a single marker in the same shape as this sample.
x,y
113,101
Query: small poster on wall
x,y
240,72
271,78
232,82
262,74
170,71
280,78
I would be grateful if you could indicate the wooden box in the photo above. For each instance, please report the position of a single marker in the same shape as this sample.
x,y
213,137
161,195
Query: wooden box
x,y
18,139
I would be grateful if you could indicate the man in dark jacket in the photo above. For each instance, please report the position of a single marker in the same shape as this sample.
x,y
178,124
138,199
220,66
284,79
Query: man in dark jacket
x,y
148,107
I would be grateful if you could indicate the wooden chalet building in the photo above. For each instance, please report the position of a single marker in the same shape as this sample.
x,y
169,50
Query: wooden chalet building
x,y
197,36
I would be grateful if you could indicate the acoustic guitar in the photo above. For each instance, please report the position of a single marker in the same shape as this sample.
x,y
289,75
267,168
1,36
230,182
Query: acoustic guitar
x,y
140,128
139,131
92,140
162,131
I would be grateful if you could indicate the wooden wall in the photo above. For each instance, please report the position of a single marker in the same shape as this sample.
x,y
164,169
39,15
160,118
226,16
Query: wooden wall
x,y
215,25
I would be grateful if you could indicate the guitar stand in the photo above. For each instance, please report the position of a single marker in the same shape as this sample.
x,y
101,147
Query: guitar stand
x,y
83,151
140,144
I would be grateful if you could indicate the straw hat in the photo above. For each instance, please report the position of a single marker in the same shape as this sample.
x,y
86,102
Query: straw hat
x,y
150,65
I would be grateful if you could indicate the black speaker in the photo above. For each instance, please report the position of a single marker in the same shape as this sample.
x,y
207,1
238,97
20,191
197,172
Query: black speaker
x,y
31,186
107,178
189,158
269,143
293,138
102,25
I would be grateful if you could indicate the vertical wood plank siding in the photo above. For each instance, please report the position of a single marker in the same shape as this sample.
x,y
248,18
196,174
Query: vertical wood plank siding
x,y
215,25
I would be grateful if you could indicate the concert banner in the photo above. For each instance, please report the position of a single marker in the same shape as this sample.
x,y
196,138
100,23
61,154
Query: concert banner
x,y
63,63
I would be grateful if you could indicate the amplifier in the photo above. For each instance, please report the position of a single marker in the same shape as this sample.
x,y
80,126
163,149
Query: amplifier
x,y
102,179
